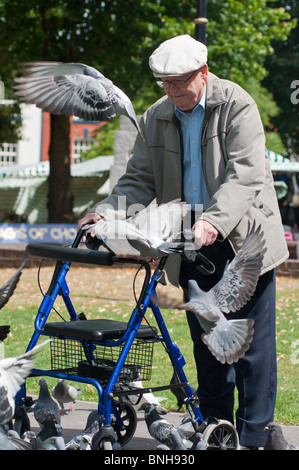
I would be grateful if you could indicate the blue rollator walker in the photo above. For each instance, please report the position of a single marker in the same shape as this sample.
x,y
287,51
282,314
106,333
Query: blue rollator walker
x,y
110,354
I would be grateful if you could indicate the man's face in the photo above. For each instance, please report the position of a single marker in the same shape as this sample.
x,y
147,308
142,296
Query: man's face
x,y
188,96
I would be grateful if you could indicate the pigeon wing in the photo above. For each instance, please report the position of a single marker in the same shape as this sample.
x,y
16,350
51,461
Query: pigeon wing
x,y
240,277
161,223
7,290
70,89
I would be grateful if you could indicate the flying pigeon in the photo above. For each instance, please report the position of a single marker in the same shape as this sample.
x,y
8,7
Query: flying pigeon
x,y
152,231
73,89
65,393
8,288
228,340
13,373
159,428
46,409
276,439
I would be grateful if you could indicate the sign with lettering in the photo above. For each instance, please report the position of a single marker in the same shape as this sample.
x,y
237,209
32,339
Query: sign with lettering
x,y
38,233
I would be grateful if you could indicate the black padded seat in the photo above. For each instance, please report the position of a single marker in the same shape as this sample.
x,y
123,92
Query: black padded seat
x,y
95,330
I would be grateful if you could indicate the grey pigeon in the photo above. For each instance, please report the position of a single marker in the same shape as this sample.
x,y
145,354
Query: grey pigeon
x,y
53,443
159,428
228,340
81,441
8,288
46,409
276,439
10,442
73,89
65,393
152,231
13,373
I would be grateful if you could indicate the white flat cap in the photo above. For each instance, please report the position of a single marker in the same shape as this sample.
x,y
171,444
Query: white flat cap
x,y
178,56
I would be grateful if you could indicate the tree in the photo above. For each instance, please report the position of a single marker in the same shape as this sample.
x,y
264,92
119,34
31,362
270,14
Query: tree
x,y
117,37
283,81
114,36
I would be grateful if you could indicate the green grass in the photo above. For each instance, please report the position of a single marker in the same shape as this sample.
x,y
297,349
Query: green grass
x,y
20,314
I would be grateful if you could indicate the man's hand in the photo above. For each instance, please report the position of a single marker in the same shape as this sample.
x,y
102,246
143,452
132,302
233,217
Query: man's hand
x,y
204,233
89,218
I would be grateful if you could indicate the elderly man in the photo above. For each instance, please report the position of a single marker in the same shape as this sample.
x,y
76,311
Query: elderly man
x,y
204,143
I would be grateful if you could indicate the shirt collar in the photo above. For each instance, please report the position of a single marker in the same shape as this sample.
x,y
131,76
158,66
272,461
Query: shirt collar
x,y
201,103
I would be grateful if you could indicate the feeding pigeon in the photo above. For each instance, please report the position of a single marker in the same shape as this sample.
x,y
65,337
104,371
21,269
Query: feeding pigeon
x,y
65,393
159,428
276,439
46,409
91,428
228,340
12,442
152,231
8,288
179,391
73,89
13,373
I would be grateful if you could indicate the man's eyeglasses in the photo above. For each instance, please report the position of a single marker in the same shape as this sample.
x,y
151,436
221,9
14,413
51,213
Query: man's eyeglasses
x,y
178,83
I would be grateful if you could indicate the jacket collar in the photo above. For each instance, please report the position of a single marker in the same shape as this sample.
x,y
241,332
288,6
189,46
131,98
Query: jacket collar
x,y
215,97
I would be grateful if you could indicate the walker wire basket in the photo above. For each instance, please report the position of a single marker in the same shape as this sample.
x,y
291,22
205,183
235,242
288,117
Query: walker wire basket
x,y
88,359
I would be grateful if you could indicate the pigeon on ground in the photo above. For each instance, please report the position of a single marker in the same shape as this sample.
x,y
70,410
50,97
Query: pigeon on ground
x,y
8,288
276,439
159,428
13,373
65,393
46,409
73,89
152,231
11,442
228,340
179,392
81,441
53,443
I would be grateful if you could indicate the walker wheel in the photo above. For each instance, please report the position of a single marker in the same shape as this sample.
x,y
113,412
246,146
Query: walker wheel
x,y
221,435
129,418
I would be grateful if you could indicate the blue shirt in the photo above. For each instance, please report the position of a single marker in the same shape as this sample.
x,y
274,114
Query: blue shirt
x,y
195,190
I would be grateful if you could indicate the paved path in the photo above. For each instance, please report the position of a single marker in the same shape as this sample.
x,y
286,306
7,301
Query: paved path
x,y
74,422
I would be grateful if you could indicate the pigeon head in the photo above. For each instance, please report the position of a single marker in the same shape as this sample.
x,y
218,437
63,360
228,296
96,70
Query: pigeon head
x,y
150,408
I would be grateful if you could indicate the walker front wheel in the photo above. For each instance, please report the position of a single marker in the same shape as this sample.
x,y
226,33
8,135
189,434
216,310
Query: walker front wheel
x,y
221,435
128,416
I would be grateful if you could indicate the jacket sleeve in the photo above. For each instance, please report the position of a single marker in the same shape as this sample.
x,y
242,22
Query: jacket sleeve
x,y
135,189
243,147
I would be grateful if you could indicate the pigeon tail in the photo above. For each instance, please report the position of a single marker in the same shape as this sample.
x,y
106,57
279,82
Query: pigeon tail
x,y
229,340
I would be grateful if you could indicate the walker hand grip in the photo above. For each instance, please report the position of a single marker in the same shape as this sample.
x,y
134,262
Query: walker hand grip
x,y
39,250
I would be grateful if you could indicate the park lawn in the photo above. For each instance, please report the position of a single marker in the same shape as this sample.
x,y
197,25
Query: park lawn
x,y
108,294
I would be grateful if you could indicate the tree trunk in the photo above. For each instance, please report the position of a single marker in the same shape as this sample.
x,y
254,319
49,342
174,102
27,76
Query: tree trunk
x,y
60,198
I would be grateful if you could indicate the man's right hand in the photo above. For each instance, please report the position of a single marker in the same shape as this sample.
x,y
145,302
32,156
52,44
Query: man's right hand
x,y
89,218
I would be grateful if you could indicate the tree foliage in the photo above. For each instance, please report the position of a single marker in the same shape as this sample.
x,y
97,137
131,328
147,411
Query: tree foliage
x,y
117,37
283,76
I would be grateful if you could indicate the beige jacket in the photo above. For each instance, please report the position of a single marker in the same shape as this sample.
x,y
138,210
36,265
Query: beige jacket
x,y
235,165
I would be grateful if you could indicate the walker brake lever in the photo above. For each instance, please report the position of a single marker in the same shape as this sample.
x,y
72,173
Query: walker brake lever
x,y
210,267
